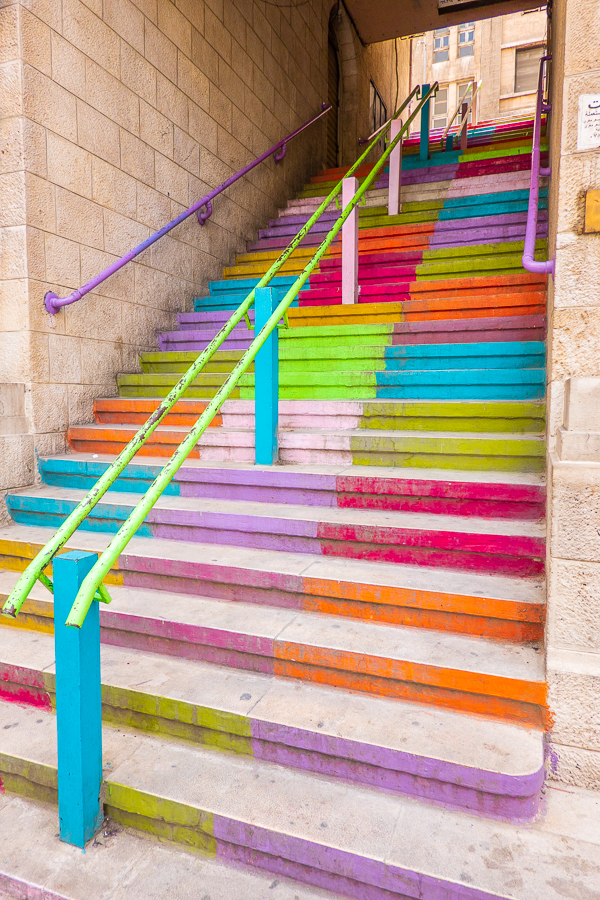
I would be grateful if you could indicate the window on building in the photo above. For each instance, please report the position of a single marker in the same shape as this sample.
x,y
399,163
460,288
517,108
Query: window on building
x,y
378,110
439,113
465,93
441,44
466,39
527,68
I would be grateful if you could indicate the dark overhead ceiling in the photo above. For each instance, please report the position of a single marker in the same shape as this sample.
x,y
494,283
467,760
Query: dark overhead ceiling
x,y
381,20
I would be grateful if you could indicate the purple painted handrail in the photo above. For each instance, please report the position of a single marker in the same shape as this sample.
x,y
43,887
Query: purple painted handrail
x,y
203,208
529,261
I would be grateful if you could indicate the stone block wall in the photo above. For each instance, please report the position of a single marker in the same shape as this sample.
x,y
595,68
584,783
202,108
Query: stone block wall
x,y
573,630
115,116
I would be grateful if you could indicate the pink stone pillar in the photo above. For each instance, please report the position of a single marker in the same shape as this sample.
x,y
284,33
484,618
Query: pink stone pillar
x,y
350,244
395,168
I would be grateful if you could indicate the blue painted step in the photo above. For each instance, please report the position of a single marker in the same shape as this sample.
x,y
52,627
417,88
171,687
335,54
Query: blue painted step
x,y
462,384
497,355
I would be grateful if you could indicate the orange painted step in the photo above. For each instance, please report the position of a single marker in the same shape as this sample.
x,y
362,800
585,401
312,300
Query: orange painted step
x,y
336,174
135,411
104,439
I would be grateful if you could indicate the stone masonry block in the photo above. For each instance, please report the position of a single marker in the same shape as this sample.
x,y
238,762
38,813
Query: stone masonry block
x,y
12,192
68,66
175,26
101,361
48,104
69,166
35,43
574,614
12,403
34,139
79,219
149,8
171,179
575,512
9,34
137,158
113,188
194,12
573,699
41,203
36,253
186,152
12,156
65,361
137,74
582,404
109,96
572,765
13,254
576,256
98,134
171,101
193,82
121,233
156,130
91,35
204,56
62,261
173,256
581,50
16,461
575,340
14,307
48,404
118,286
153,208
93,317
577,446
217,35
127,20
11,99
160,51
15,356
203,128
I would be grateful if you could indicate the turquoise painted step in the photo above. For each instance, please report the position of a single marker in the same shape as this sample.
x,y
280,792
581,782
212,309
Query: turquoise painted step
x,y
500,196
509,355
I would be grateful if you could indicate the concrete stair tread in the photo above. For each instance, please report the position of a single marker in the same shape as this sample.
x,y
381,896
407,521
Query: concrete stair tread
x,y
285,563
250,510
250,473
373,723
121,864
262,625
380,841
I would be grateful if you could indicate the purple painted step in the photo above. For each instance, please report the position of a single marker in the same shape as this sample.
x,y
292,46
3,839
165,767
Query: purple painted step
x,y
198,340
467,331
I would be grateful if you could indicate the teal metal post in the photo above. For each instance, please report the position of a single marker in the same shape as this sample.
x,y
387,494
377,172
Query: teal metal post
x,y
78,704
449,142
425,119
266,382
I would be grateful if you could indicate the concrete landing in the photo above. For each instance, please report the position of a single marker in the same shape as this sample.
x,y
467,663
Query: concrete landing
x,y
119,865
349,838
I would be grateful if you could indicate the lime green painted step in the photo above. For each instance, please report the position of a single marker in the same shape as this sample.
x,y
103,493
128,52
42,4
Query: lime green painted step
x,y
181,360
490,453
157,384
505,416
336,335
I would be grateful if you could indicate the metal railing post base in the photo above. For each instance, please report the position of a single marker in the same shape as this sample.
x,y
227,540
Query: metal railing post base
x,y
78,704
266,382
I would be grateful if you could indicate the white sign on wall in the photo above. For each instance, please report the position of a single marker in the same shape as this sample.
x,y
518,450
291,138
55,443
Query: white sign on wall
x,y
588,123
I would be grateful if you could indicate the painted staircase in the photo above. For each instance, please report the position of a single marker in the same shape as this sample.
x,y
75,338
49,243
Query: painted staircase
x,y
312,668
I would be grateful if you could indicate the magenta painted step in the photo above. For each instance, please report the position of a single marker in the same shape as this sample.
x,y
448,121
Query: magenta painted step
x,y
468,331
384,258
489,550
390,292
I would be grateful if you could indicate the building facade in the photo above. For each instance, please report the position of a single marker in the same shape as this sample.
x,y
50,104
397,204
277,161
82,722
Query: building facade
x,y
502,52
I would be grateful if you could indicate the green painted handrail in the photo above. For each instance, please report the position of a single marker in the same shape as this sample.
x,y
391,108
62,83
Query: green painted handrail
x,y
127,530
35,569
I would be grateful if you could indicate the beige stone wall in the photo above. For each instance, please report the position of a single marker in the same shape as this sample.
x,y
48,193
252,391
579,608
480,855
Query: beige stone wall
x,y
386,64
115,116
573,631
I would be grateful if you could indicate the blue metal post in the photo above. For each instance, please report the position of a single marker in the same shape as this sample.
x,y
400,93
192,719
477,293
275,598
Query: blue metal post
x,y
449,142
78,704
266,383
425,119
